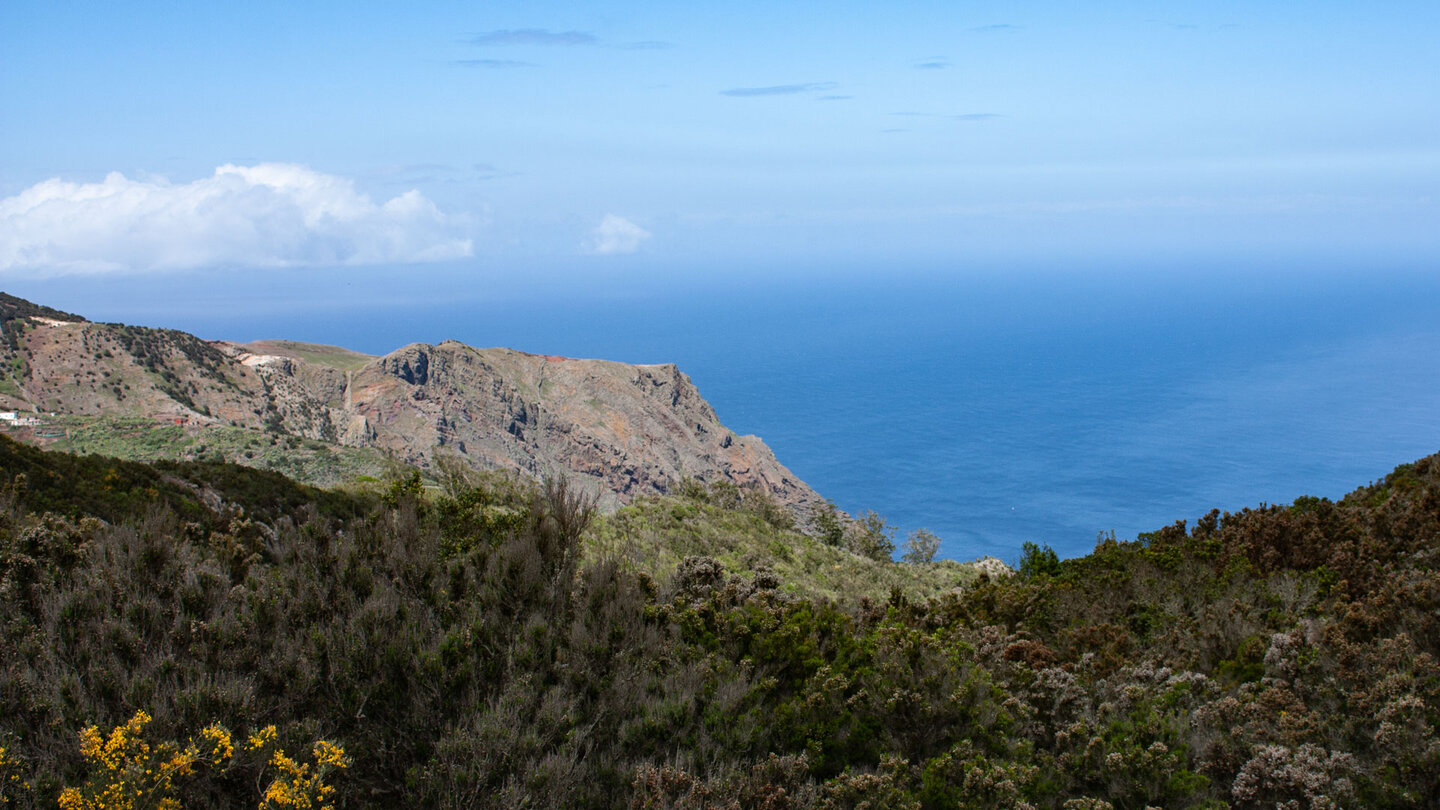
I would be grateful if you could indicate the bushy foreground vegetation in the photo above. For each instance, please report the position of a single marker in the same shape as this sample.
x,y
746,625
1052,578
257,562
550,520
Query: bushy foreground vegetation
x,y
456,651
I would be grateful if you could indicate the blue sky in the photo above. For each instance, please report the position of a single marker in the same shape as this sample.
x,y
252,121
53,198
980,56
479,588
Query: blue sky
x,y
553,140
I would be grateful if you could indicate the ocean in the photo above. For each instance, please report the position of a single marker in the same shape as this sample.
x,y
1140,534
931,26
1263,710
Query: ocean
x,y
990,408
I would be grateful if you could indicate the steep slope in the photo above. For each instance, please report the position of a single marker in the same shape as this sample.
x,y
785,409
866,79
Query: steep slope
x,y
618,430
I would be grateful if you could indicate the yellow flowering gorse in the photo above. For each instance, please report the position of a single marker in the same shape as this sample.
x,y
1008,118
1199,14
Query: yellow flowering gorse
x,y
297,785
12,784
260,739
128,773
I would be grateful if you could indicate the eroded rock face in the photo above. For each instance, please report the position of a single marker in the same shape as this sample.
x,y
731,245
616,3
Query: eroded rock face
x,y
618,430
626,429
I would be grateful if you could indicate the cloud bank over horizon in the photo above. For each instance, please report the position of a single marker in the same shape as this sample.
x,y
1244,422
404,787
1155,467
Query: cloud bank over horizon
x,y
267,215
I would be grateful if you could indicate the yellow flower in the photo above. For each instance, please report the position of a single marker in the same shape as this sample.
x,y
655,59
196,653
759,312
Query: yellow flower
x,y
221,746
70,799
261,738
91,743
327,753
129,773
285,764
296,785
179,764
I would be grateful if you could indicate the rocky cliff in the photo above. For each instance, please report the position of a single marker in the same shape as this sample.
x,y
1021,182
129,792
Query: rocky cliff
x,y
619,430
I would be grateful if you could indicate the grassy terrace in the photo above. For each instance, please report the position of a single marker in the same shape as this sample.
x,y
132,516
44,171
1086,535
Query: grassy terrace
x,y
147,439
335,357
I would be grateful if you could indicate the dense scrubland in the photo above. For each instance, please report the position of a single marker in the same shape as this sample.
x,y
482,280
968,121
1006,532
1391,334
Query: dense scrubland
x,y
204,635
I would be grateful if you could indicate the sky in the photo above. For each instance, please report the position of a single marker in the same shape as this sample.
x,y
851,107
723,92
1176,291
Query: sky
x,y
547,143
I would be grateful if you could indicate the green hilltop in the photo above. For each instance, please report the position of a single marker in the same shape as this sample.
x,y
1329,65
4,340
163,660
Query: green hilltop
x,y
336,357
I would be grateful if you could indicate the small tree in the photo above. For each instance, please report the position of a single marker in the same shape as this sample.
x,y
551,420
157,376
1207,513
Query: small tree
x,y
921,546
1038,560
829,527
873,537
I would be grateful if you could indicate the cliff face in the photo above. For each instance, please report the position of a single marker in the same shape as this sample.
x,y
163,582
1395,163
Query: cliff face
x,y
618,430
631,429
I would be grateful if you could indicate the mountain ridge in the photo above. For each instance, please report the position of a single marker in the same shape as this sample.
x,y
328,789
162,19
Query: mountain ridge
x,y
617,430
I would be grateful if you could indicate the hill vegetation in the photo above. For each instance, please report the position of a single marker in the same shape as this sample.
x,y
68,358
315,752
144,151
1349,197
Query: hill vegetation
x,y
749,535
497,645
136,438
336,357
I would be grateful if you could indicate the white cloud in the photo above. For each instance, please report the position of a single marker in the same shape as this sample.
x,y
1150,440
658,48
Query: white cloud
x,y
615,235
269,215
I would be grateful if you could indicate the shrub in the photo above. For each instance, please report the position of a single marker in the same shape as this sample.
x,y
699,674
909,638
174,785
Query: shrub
x,y
921,546
1038,561
871,536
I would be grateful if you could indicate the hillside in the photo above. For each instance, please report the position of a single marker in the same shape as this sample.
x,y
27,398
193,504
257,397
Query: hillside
x,y
616,430
499,645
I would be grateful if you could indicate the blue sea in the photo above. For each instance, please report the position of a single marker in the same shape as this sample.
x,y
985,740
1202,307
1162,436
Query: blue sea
x,y
990,408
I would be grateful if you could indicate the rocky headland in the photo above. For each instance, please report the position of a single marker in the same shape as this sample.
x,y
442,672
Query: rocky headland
x,y
617,430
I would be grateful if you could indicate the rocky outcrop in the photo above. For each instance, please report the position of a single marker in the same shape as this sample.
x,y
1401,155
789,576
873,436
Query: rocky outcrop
x,y
618,430
624,429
